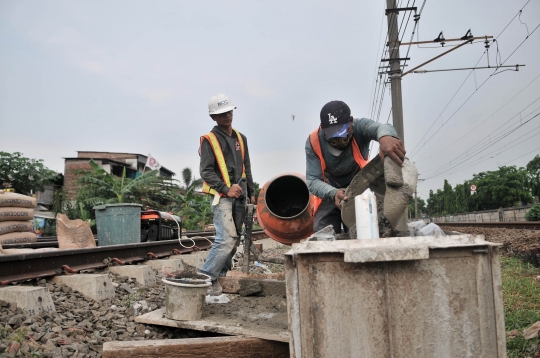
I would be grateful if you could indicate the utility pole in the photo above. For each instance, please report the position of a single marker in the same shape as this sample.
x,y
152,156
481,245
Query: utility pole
x,y
395,82
395,67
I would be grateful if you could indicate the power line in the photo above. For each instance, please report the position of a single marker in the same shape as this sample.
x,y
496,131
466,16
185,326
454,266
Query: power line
x,y
491,116
414,152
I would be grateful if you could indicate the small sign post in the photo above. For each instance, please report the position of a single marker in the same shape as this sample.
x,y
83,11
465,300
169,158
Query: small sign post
x,y
473,189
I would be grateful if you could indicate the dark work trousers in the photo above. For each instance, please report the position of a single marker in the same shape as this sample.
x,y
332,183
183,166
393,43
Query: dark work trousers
x,y
328,214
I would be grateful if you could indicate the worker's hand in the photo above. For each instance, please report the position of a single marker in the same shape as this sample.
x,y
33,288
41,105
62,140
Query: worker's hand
x,y
234,191
392,147
252,199
340,196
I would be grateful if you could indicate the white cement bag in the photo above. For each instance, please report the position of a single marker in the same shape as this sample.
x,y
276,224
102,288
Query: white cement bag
x,y
431,230
415,226
18,238
15,226
18,200
18,214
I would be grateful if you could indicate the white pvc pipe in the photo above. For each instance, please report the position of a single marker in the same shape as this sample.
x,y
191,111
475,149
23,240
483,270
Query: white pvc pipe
x,y
367,222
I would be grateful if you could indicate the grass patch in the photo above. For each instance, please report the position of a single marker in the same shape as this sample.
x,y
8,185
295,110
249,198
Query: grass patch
x,y
521,294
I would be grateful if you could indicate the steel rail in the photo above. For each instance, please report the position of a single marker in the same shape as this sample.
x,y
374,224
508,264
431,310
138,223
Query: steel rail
x,y
525,225
52,241
21,267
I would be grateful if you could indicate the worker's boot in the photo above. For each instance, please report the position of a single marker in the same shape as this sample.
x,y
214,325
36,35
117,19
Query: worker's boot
x,y
215,289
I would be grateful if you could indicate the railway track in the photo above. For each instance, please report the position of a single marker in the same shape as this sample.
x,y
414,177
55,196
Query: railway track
x,y
52,241
20,267
524,225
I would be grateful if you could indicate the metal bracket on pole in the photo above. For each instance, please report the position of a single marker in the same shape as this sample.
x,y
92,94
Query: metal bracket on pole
x,y
398,9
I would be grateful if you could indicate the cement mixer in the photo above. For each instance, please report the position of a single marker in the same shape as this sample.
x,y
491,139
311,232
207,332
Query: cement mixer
x,y
284,208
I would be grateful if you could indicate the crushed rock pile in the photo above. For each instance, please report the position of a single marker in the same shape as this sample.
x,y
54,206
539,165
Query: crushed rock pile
x,y
80,326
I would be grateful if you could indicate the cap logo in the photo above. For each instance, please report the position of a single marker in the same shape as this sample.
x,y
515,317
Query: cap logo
x,y
222,103
331,119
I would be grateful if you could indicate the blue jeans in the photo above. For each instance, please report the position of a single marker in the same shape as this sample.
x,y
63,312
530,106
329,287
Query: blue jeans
x,y
219,259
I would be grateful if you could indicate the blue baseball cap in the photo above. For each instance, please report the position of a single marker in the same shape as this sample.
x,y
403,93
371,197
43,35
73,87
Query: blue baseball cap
x,y
335,118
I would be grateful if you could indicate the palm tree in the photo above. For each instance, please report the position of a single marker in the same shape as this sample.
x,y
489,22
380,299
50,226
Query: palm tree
x,y
189,180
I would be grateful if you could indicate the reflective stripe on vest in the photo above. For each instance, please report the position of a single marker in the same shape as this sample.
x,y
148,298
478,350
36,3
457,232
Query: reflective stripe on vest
x,y
316,145
220,159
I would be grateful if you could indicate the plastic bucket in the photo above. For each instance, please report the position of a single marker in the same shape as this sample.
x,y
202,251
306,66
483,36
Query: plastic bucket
x,y
184,301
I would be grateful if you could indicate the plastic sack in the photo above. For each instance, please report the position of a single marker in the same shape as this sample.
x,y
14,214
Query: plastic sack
x,y
415,227
431,230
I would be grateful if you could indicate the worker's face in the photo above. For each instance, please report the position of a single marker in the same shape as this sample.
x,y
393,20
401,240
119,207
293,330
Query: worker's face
x,y
342,143
223,119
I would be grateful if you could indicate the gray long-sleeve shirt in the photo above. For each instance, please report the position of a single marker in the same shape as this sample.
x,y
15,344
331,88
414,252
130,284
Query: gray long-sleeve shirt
x,y
209,168
341,167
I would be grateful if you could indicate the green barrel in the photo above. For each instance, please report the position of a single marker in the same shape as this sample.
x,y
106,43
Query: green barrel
x,y
118,224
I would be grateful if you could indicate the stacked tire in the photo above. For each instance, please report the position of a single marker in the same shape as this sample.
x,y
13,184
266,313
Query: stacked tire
x,y
16,215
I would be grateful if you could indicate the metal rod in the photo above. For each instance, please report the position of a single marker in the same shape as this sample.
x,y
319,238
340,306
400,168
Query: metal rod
x,y
436,57
445,40
470,68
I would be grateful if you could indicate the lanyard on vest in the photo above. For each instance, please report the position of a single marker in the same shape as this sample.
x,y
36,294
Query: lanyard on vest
x,y
316,145
220,159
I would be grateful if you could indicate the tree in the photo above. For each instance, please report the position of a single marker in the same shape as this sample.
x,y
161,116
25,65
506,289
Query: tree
x,y
421,207
504,187
190,181
23,174
109,188
533,168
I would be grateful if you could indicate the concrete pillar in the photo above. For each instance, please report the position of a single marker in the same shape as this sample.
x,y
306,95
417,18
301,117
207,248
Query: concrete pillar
x,y
167,265
33,299
97,287
144,274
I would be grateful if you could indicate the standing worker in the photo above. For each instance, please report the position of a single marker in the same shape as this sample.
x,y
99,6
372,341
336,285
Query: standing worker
x,y
224,163
336,152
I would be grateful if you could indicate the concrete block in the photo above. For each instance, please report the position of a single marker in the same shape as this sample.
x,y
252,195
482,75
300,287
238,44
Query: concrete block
x,y
167,265
144,274
97,287
196,258
33,299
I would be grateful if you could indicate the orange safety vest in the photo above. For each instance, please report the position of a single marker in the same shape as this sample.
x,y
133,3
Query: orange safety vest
x,y
316,145
218,152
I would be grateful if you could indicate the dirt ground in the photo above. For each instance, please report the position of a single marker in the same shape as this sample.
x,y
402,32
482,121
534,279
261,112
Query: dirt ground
x,y
515,242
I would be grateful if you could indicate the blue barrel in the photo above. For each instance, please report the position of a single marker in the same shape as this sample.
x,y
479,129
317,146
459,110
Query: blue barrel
x,y
118,224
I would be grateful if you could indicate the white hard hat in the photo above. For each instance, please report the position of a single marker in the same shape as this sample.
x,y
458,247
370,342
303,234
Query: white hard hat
x,y
220,103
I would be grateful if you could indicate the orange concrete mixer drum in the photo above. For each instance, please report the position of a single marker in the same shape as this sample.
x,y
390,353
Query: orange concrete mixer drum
x,y
284,208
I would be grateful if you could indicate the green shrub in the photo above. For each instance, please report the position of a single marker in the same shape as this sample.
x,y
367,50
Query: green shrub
x,y
533,214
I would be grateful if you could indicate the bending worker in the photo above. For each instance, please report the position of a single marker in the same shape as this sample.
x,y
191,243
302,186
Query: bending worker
x,y
224,162
336,152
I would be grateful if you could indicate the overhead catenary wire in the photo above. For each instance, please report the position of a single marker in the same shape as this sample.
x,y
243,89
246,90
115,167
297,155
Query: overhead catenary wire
x,y
416,149
481,123
472,94
486,146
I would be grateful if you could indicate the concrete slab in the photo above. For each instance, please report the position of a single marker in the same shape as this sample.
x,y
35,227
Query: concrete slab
x,y
195,259
233,326
33,299
269,243
167,265
97,287
144,274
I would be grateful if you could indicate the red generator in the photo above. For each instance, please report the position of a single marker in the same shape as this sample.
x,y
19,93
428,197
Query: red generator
x,y
159,225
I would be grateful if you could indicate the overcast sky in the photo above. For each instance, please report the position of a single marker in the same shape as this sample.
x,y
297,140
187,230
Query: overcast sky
x,y
136,76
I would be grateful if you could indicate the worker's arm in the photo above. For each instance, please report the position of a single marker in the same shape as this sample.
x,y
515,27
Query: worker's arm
x,y
207,170
314,178
385,134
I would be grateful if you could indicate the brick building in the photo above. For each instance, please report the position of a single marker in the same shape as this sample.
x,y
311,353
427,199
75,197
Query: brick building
x,y
113,163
